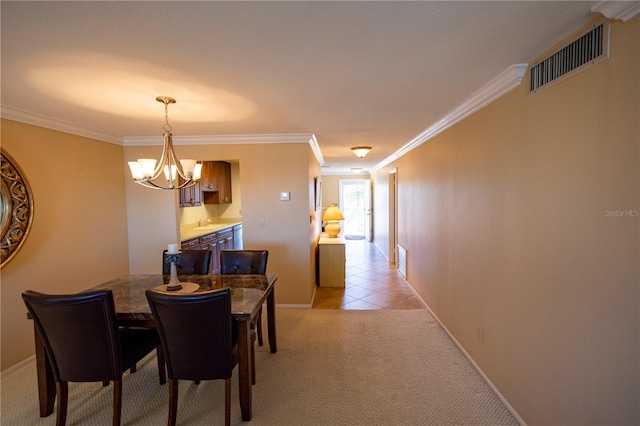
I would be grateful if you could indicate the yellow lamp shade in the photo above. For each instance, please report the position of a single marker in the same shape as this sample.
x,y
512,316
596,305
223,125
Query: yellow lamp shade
x,y
332,213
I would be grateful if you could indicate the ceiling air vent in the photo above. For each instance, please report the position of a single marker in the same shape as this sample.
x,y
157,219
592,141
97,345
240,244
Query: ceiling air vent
x,y
586,49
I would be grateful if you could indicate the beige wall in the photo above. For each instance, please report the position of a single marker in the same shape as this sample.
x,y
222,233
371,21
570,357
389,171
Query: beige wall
x,y
79,234
330,190
509,225
153,215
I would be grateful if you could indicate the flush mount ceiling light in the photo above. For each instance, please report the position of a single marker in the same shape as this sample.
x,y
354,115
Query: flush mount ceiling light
x,y
360,151
178,174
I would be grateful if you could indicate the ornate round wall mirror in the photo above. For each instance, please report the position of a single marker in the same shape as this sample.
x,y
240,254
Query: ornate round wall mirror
x,y
16,209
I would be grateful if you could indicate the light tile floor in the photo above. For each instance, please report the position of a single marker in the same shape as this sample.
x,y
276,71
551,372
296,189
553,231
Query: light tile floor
x,y
372,283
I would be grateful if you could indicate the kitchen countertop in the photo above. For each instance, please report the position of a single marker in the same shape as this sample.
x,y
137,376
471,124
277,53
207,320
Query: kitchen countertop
x,y
196,231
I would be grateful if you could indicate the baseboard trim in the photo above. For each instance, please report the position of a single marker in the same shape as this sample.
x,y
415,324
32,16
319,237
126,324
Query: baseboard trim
x,y
18,365
512,410
294,306
375,243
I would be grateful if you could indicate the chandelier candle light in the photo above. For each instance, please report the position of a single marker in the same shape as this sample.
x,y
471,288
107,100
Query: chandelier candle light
x,y
146,170
174,257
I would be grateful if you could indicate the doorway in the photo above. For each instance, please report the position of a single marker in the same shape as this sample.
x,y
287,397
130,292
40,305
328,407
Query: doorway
x,y
355,203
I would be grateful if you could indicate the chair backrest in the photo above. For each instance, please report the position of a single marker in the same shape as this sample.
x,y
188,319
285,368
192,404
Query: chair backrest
x,y
196,333
80,334
246,262
192,262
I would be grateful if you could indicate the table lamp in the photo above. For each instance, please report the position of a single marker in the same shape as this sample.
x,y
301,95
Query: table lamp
x,y
332,215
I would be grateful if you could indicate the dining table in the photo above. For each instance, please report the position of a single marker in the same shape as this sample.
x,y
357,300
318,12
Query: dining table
x,y
248,294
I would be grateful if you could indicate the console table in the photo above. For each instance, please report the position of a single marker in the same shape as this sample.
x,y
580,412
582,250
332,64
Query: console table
x,y
332,262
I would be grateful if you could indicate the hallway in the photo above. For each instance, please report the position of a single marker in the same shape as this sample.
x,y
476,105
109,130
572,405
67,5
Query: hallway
x,y
372,283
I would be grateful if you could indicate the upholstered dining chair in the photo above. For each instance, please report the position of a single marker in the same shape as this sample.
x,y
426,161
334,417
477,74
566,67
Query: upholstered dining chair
x,y
85,344
197,337
246,262
192,262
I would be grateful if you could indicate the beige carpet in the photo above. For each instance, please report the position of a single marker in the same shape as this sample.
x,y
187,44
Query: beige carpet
x,y
332,368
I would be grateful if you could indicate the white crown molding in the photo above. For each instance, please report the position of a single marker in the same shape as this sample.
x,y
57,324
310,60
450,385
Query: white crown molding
x,y
623,10
499,86
15,114
222,139
309,138
364,174
313,142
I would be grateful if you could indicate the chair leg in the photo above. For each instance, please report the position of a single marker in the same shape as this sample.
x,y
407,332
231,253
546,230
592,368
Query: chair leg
x,y
173,401
117,401
161,371
227,402
62,391
133,368
105,383
253,363
259,326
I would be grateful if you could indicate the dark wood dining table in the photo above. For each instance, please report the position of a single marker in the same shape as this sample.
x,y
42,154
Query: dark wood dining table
x,y
248,294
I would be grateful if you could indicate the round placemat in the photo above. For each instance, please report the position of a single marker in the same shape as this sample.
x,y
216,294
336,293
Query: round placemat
x,y
186,288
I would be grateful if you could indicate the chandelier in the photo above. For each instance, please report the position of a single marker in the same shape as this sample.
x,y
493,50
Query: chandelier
x,y
178,174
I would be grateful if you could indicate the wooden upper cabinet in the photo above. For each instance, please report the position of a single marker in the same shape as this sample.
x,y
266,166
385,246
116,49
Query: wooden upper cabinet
x,y
224,183
215,182
191,196
209,176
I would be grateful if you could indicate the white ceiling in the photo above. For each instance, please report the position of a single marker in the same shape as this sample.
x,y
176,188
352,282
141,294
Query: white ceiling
x,y
352,73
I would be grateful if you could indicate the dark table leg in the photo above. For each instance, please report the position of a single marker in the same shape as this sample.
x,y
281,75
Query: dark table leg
x,y
244,367
46,382
271,321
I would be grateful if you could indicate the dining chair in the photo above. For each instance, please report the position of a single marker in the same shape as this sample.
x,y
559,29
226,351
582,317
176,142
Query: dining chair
x,y
247,262
192,262
196,333
84,343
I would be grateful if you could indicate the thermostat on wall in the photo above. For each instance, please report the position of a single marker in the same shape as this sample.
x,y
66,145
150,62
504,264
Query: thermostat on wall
x,y
285,196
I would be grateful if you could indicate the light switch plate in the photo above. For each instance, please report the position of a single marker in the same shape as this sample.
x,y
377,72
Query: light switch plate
x,y
285,196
